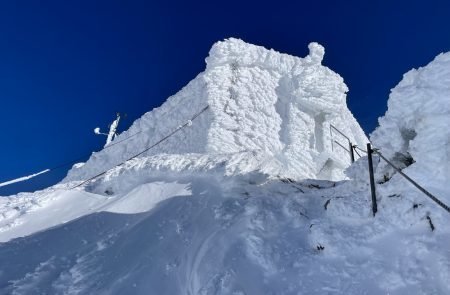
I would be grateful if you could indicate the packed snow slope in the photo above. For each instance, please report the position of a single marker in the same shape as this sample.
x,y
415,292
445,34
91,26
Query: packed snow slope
x,y
189,221
202,233
259,100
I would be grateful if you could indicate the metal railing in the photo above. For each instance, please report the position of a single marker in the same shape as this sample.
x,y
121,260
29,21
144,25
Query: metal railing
x,y
350,145
370,151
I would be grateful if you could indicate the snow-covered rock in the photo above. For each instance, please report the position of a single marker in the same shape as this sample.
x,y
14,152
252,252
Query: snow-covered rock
x,y
415,130
259,100
414,135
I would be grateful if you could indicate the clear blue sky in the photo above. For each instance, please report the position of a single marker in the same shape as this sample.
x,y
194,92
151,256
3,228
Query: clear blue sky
x,y
69,66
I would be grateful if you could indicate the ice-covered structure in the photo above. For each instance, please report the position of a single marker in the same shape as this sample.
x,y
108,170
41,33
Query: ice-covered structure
x,y
177,223
259,100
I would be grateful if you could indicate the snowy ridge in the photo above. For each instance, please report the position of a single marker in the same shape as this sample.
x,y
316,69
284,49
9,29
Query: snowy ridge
x,y
258,99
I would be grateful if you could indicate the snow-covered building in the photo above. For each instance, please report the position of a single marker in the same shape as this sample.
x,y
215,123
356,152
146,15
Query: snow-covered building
x,y
195,215
259,101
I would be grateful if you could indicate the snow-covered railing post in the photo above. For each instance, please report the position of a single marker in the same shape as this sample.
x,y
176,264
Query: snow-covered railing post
x,y
372,179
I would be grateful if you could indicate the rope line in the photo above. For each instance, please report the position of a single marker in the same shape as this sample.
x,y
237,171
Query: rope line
x,y
340,132
423,190
356,147
333,141
356,151
427,193
145,150
71,162
342,146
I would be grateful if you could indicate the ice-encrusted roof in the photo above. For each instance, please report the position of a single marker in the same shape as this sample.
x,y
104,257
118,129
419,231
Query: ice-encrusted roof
x,y
260,100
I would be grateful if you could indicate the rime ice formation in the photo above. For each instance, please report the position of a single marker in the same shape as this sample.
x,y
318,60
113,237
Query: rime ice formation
x,y
210,217
414,134
416,125
260,101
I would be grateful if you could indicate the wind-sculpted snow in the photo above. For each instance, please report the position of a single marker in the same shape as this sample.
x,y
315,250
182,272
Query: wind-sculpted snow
x,y
119,190
206,235
258,99
415,133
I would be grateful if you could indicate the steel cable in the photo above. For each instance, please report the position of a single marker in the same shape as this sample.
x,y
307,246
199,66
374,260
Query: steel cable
x,y
145,150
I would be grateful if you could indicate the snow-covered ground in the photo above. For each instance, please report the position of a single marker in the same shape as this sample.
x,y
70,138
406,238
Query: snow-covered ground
x,y
201,234
198,217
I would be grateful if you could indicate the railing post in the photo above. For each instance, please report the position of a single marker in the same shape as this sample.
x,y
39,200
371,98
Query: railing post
x,y
372,179
331,138
352,155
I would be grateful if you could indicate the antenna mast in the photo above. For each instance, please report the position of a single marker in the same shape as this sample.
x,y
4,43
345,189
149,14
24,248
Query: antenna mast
x,y
112,130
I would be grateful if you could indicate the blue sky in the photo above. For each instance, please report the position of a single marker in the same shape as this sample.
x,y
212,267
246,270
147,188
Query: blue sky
x,y
69,66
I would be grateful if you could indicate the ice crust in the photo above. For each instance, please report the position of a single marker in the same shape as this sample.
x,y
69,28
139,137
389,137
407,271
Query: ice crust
x,y
260,100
